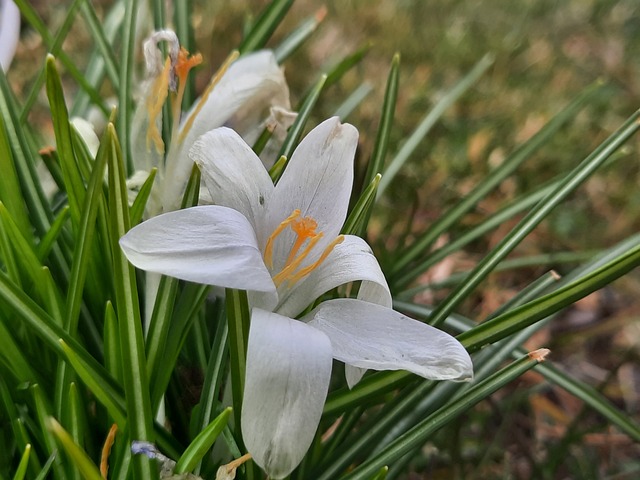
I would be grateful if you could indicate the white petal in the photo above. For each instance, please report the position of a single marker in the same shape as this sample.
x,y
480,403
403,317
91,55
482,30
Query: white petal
x,y
87,132
350,261
212,245
247,90
9,32
318,182
353,374
287,379
233,174
366,335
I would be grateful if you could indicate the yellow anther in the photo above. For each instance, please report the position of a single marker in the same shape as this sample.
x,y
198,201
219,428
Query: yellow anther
x,y
287,271
159,92
214,81
307,270
305,228
268,249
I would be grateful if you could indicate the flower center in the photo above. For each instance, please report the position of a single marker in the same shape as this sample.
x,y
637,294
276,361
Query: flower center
x,y
306,240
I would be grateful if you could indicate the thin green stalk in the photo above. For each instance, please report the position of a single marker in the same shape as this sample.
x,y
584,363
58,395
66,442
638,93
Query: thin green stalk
x,y
423,430
572,181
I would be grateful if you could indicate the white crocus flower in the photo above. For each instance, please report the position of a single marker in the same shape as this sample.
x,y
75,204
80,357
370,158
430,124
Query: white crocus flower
x,y
282,244
247,94
9,32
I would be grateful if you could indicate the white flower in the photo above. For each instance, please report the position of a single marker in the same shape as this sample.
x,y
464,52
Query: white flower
x,y
247,95
283,245
9,32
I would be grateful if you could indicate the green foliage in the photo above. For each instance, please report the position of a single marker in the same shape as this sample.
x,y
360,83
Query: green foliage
x,y
86,341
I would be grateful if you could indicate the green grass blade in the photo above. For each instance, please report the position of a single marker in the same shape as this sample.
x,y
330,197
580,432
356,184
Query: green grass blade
x,y
54,45
103,44
127,55
336,72
572,181
536,310
295,132
24,160
522,153
238,318
265,25
107,397
358,218
495,220
356,97
136,386
429,121
72,178
376,162
10,192
49,239
43,413
296,38
79,458
423,430
202,443
140,203
21,471
111,343
594,399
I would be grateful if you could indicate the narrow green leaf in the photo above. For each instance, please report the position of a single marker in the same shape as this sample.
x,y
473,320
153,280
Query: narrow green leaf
x,y
24,160
336,72
103,44
265,25
72,418
72,178
295,132
140,203
79,458
359,216
127,55
18,429
376,162
495,220
538,309
21,471
422,431
136,386
382,474
49,239
47,467
84,238
353,101
430,119
276,170
238,318
54,45
43,413
10,191
522,153
202,443
111,343
571,182
296,38
103,394
13,356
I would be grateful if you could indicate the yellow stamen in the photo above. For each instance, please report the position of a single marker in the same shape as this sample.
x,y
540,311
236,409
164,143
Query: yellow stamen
x,y
288,270
268,249
303,228
214,81
307,270
159,92
183,65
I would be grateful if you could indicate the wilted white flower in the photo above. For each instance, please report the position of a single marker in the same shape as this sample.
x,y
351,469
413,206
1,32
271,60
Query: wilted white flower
x,y
247,94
